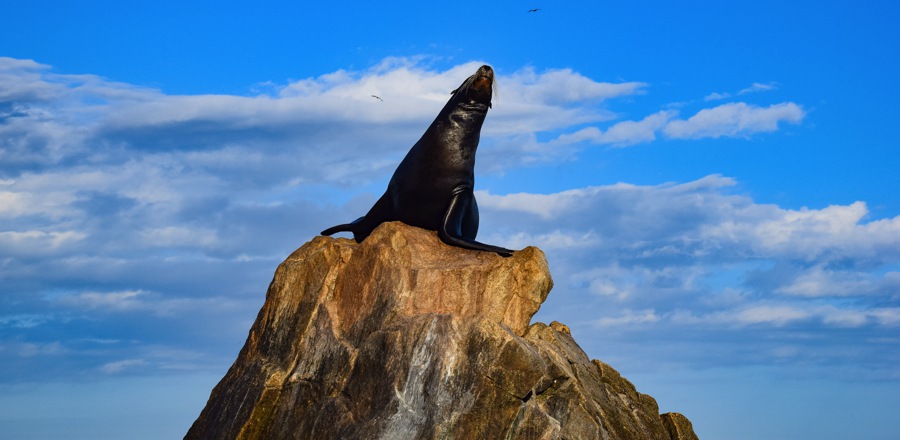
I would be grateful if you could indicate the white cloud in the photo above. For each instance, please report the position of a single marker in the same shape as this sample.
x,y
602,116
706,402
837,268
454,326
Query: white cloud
x,y
128,300
546,206
758,87
773,314
776,315
19,200
729,120
179,236
119,366
42,349
622,198
819,281
754,88
734,120
628,318
623,133
21,80
762,314
809,234
131,301
611,281
887,316
38,242
552,240
716,96
564,86
24,320
847,318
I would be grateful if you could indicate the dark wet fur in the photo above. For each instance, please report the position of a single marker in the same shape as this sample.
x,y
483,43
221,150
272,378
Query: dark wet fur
x,y
432,187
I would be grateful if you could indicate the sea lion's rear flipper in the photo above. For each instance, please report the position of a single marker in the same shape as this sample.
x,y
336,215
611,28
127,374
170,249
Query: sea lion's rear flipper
x,y
346,227
460,223
361,228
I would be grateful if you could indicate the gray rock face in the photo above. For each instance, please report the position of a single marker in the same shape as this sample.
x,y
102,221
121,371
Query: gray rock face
x,y
403,337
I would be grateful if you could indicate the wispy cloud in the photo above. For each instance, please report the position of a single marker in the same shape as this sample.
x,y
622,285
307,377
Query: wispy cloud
x,y
28,350
758,87
119,366
727,120
38,242
754,88
139,301
623,133
734,120
778,315
629,317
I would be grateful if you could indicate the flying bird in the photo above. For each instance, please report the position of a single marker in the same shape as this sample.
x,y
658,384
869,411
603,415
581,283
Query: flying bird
x,y
377,97
534,10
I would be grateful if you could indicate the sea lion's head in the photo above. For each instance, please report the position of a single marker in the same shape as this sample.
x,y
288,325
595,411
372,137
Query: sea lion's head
x,y
475,92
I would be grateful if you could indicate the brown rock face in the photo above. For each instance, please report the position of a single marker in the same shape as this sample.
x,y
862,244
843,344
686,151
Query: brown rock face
x,y
403,337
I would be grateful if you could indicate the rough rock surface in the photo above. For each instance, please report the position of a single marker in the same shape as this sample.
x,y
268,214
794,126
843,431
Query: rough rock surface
x,y
403,337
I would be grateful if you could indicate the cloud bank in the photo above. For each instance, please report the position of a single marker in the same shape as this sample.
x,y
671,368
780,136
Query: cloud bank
x,y
138,229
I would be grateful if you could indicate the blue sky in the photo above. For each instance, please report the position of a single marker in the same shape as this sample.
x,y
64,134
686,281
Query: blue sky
x,y
714,184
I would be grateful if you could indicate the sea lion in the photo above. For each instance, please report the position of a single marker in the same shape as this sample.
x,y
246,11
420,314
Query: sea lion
x,y
432,187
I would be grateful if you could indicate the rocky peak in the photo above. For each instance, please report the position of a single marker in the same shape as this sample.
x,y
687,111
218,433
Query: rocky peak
x,y
404,337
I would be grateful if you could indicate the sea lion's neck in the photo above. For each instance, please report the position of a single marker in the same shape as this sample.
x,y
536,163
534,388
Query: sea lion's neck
x,y
461,119
454,135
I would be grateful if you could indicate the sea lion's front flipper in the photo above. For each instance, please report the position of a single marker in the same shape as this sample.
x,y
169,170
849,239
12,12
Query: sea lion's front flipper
x,y
461,222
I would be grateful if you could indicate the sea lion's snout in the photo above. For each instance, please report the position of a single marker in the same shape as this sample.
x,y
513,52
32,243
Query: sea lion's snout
x,y
484,79
475,92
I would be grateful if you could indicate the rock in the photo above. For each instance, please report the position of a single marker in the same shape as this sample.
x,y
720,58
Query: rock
x,y
679,426
404,337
